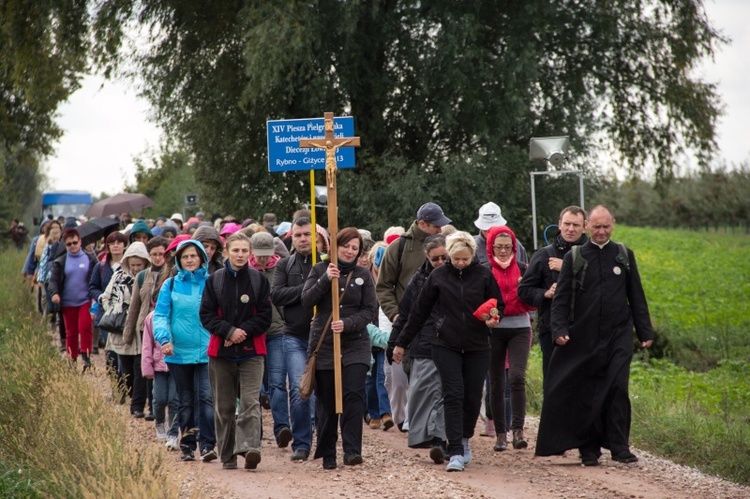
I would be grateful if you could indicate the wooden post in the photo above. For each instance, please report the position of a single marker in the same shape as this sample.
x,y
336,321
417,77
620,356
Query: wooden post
x,y
330,144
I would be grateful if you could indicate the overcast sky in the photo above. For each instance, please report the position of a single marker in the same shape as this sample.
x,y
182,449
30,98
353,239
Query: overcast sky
x,y
106,124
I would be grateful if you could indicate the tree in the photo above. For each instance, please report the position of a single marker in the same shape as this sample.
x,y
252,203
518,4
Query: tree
x,y
445,94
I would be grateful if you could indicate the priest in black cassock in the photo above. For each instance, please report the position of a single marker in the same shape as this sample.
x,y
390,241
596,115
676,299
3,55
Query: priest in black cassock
x,y
586,402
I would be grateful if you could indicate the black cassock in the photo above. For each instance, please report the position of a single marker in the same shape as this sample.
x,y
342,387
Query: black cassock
x,y
586,402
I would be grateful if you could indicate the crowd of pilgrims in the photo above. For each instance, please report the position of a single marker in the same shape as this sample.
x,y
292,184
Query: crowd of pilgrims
x,y
204,322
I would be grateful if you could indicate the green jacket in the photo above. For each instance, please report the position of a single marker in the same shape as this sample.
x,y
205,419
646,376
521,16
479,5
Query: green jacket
x,y
392,283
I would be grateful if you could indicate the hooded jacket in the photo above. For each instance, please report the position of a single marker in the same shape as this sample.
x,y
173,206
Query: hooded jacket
x,y
456,294
117,297
140,226
286,294
176,316
507,279
420,347
207,233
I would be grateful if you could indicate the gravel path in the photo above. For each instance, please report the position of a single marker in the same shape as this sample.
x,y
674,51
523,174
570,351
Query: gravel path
x,y
392,470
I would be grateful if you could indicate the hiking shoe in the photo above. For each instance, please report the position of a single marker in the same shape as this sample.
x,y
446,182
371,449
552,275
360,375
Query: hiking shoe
x,y
138,414
455,464
231,464
519,442
374,424
252,458
625,457
329,462
265,401
437,454
208,455
467,452
387,422
300,455
187,455
150,416
161,432
501,444
284,437
352,459
172,443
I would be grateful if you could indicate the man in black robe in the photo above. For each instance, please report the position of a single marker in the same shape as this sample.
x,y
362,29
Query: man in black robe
x,y
586,403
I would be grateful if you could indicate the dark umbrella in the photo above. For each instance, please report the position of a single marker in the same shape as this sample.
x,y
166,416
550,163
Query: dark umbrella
x,y
119,203
92,231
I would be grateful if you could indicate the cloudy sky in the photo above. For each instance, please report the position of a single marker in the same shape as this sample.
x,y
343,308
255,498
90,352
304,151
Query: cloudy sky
x,y
106,125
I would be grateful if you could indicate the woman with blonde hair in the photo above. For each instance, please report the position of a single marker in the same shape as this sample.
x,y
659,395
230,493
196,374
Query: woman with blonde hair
x,y
461,350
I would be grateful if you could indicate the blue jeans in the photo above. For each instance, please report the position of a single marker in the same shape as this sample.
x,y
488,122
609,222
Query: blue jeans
x,y
377,396
295,354
277,374
165,395
194,395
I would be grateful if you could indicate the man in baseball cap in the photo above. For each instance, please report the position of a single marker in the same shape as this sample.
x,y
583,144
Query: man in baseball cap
x,y
433,215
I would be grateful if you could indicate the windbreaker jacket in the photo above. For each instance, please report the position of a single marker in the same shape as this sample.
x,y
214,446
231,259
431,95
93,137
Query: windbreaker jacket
x,y
456,294
286,294
176,316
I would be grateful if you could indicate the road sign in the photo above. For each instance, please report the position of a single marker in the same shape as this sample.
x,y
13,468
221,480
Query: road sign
x,y
191,199
284,153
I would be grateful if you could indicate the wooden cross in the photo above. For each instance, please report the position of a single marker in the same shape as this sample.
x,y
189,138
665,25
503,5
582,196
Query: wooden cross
x,y
330,144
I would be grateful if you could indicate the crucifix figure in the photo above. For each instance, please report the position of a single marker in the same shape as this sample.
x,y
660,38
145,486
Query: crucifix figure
x,y
330,144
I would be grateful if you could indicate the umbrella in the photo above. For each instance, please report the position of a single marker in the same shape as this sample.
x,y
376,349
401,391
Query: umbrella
x,y
119,203
92,231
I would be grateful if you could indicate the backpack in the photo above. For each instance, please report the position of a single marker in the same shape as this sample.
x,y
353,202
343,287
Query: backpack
x,y
580,265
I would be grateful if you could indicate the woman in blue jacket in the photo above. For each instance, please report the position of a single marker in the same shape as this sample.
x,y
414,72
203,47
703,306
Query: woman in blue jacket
x,y
184,343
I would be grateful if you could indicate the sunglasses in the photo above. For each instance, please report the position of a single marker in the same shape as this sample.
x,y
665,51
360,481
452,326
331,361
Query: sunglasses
x,y
71,243
439,258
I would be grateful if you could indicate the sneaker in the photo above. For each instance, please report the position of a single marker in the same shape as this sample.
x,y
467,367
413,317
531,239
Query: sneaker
x,y
187,455
252,458
467,451
519,441
329,462
161,432
387,422
489,428
208,455
437,455
374,424
138,414
352,459
172,443
300,455
150,416
624,457
455,464
284,437
231,464
589,459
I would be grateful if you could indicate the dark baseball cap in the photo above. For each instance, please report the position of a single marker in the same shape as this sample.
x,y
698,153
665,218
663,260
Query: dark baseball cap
x,y
430,212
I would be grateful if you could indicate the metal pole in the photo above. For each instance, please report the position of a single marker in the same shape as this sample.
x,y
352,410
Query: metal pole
x,y
533,208
580,187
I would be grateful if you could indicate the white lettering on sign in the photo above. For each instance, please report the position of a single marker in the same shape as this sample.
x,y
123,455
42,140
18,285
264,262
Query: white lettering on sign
x,y
313,161
285,162
295,128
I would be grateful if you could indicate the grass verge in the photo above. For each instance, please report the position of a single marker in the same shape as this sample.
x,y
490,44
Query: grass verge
x,y
58,438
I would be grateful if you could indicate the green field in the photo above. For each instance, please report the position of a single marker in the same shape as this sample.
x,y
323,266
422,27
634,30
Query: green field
x,y
698,288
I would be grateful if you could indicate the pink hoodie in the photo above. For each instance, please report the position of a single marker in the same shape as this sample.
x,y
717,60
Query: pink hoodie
x,y
151,357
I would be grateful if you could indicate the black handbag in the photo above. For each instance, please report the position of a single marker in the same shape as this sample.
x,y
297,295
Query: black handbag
x,y
114,322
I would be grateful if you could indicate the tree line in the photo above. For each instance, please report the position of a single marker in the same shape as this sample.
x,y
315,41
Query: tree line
x,y
445,95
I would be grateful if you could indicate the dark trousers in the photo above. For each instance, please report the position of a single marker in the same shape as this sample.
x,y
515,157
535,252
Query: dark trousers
x,y
547,346
196,406
326,420
462,376
135,383
515,343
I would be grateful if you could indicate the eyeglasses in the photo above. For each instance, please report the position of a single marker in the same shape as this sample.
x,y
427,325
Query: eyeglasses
x,y
438,258
501,248
71,243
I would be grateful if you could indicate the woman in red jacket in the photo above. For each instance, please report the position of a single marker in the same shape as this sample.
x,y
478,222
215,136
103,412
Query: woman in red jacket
x,y
511,336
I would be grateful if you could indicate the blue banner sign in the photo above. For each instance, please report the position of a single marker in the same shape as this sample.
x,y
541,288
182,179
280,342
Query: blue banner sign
x,y
285,154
